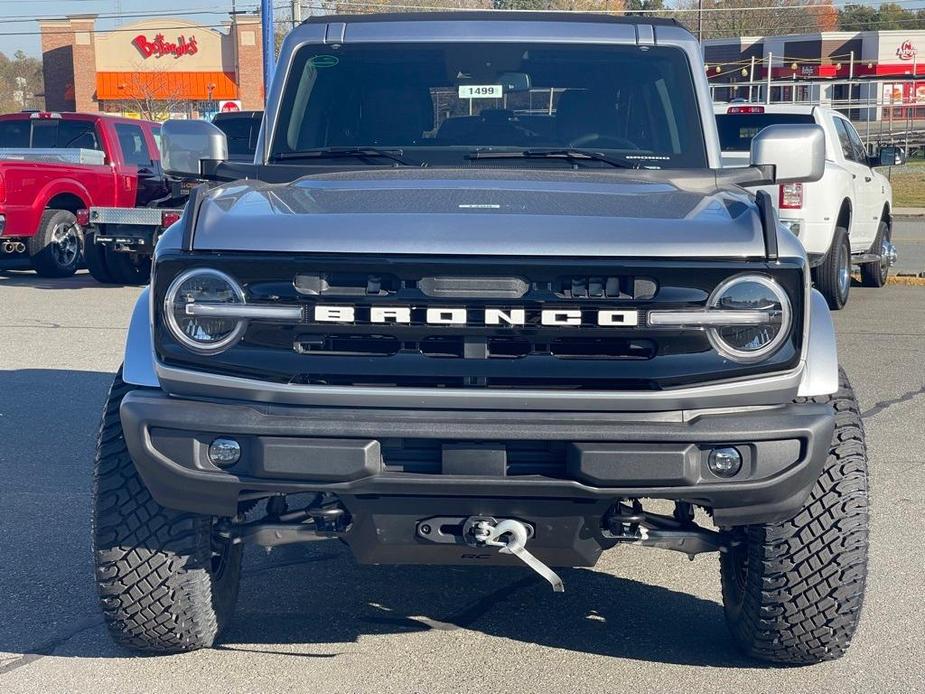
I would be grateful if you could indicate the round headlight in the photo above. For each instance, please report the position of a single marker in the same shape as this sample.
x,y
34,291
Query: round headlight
x,y
766,317
203,333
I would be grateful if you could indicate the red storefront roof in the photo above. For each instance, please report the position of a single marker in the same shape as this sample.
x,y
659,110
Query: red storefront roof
x,y
165,86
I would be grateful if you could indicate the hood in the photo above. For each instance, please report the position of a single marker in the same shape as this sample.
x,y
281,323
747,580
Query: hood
x,y
481,212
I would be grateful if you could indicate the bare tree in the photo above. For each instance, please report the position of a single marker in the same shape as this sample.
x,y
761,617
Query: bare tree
x,y
152,94
730,18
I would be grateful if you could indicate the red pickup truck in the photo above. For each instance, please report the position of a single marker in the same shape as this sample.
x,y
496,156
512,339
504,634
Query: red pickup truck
x,y
54,164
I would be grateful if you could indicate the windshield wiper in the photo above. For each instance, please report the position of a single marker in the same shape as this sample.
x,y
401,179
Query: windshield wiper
x,y
396,155
569,153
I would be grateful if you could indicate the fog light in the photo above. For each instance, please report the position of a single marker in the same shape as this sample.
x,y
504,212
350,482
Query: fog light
x,y
224,452
724,462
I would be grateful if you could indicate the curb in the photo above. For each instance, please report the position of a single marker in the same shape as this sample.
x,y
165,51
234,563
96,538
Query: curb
x,y
907,280
909,212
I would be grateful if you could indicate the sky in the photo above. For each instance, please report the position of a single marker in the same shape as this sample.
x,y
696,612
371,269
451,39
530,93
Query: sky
x,y
19,30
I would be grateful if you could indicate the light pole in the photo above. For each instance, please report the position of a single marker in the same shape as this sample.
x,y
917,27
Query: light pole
x,y
210,106
269,44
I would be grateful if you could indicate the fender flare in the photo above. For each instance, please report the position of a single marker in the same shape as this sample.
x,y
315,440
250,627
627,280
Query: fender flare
x,y
820,372
138,360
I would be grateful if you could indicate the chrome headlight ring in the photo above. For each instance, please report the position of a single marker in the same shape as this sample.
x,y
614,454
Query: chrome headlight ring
x,y
181,335
723,347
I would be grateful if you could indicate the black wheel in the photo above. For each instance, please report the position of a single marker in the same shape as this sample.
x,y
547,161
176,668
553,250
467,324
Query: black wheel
x,y
55,248
95,255
833,276
875,274
166,581
128,268
793,591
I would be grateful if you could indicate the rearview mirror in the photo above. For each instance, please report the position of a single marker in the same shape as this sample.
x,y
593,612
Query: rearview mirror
x,y
795,153
185,143
514,81
889,156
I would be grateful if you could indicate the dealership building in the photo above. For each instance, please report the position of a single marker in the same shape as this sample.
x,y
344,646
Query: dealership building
x,y
872,73
165,66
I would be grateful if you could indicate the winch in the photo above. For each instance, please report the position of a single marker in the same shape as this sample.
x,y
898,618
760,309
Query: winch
x,y
507,534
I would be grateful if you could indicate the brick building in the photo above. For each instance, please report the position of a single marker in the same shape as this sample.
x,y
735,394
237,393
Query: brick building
x,y
160,67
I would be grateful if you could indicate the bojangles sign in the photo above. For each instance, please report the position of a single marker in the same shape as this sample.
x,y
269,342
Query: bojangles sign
x,y
160,47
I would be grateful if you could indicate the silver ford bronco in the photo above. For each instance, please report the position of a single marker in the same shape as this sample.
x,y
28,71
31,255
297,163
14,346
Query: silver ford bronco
x,y
484,297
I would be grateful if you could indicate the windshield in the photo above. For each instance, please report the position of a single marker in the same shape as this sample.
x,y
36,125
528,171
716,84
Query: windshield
x,y
736,130
441,102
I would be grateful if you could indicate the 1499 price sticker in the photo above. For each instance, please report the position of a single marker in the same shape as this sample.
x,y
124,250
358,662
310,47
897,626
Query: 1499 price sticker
x,y
480,91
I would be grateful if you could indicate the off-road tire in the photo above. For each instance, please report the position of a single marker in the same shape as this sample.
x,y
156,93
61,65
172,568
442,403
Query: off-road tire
x,y
826,276
47,257
95,256
793,591
876,274
160,588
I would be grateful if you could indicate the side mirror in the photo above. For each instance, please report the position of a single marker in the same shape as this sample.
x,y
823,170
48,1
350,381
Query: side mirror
x,y
795,153
185,143
889,156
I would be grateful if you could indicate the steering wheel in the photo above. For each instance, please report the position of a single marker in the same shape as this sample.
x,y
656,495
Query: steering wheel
x,y
604,141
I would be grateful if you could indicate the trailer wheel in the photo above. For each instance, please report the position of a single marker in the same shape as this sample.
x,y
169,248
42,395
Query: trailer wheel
x,y
55,248
127,268
95,255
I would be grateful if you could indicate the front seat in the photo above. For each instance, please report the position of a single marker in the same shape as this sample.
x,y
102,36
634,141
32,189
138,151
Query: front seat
x,y
584,117
395,117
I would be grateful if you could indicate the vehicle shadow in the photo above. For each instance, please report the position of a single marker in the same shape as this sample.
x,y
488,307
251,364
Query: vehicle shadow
x,y
316,594
307,600
25,277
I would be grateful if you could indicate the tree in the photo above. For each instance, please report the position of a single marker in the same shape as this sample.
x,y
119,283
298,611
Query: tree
x,y
757,17
888,16
644,6
892,16
20,81
152,94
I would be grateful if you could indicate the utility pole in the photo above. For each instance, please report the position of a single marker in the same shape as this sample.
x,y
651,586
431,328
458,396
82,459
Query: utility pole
x,y
267,27
235,56
296,13
700,21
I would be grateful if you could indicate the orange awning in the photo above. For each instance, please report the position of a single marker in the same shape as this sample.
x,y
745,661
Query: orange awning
x,y
165,86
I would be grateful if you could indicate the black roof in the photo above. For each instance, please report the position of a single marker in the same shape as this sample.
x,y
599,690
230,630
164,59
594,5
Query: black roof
x,y
489,15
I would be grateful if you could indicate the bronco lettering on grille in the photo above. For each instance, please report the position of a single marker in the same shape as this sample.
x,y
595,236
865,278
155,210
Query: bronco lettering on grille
x,y
461,316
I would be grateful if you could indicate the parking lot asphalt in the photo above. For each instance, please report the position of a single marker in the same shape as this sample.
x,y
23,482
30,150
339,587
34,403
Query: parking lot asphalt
x,y
909,237
310,619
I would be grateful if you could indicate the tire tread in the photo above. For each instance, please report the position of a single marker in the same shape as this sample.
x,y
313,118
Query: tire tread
x,y
152,564
803,603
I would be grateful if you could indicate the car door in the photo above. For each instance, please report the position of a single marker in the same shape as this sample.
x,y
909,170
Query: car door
x,y
865,186
872,192
136,151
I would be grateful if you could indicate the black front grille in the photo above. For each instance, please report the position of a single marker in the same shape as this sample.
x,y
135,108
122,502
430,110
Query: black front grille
x,y
425,456
476,355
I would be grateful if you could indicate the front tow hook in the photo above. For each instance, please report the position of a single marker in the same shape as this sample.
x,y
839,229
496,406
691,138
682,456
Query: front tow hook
x,y
511,536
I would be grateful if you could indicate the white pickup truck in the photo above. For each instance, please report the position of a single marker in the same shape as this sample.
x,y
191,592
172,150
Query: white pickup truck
x,y
842,219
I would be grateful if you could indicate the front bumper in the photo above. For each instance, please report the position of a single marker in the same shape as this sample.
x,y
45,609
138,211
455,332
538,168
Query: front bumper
x,y
465,466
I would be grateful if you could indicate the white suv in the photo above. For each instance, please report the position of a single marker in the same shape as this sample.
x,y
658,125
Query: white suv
x,y
843,218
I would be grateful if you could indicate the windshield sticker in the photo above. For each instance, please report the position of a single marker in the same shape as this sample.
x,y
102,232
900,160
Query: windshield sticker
x,y
319,61
480,91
